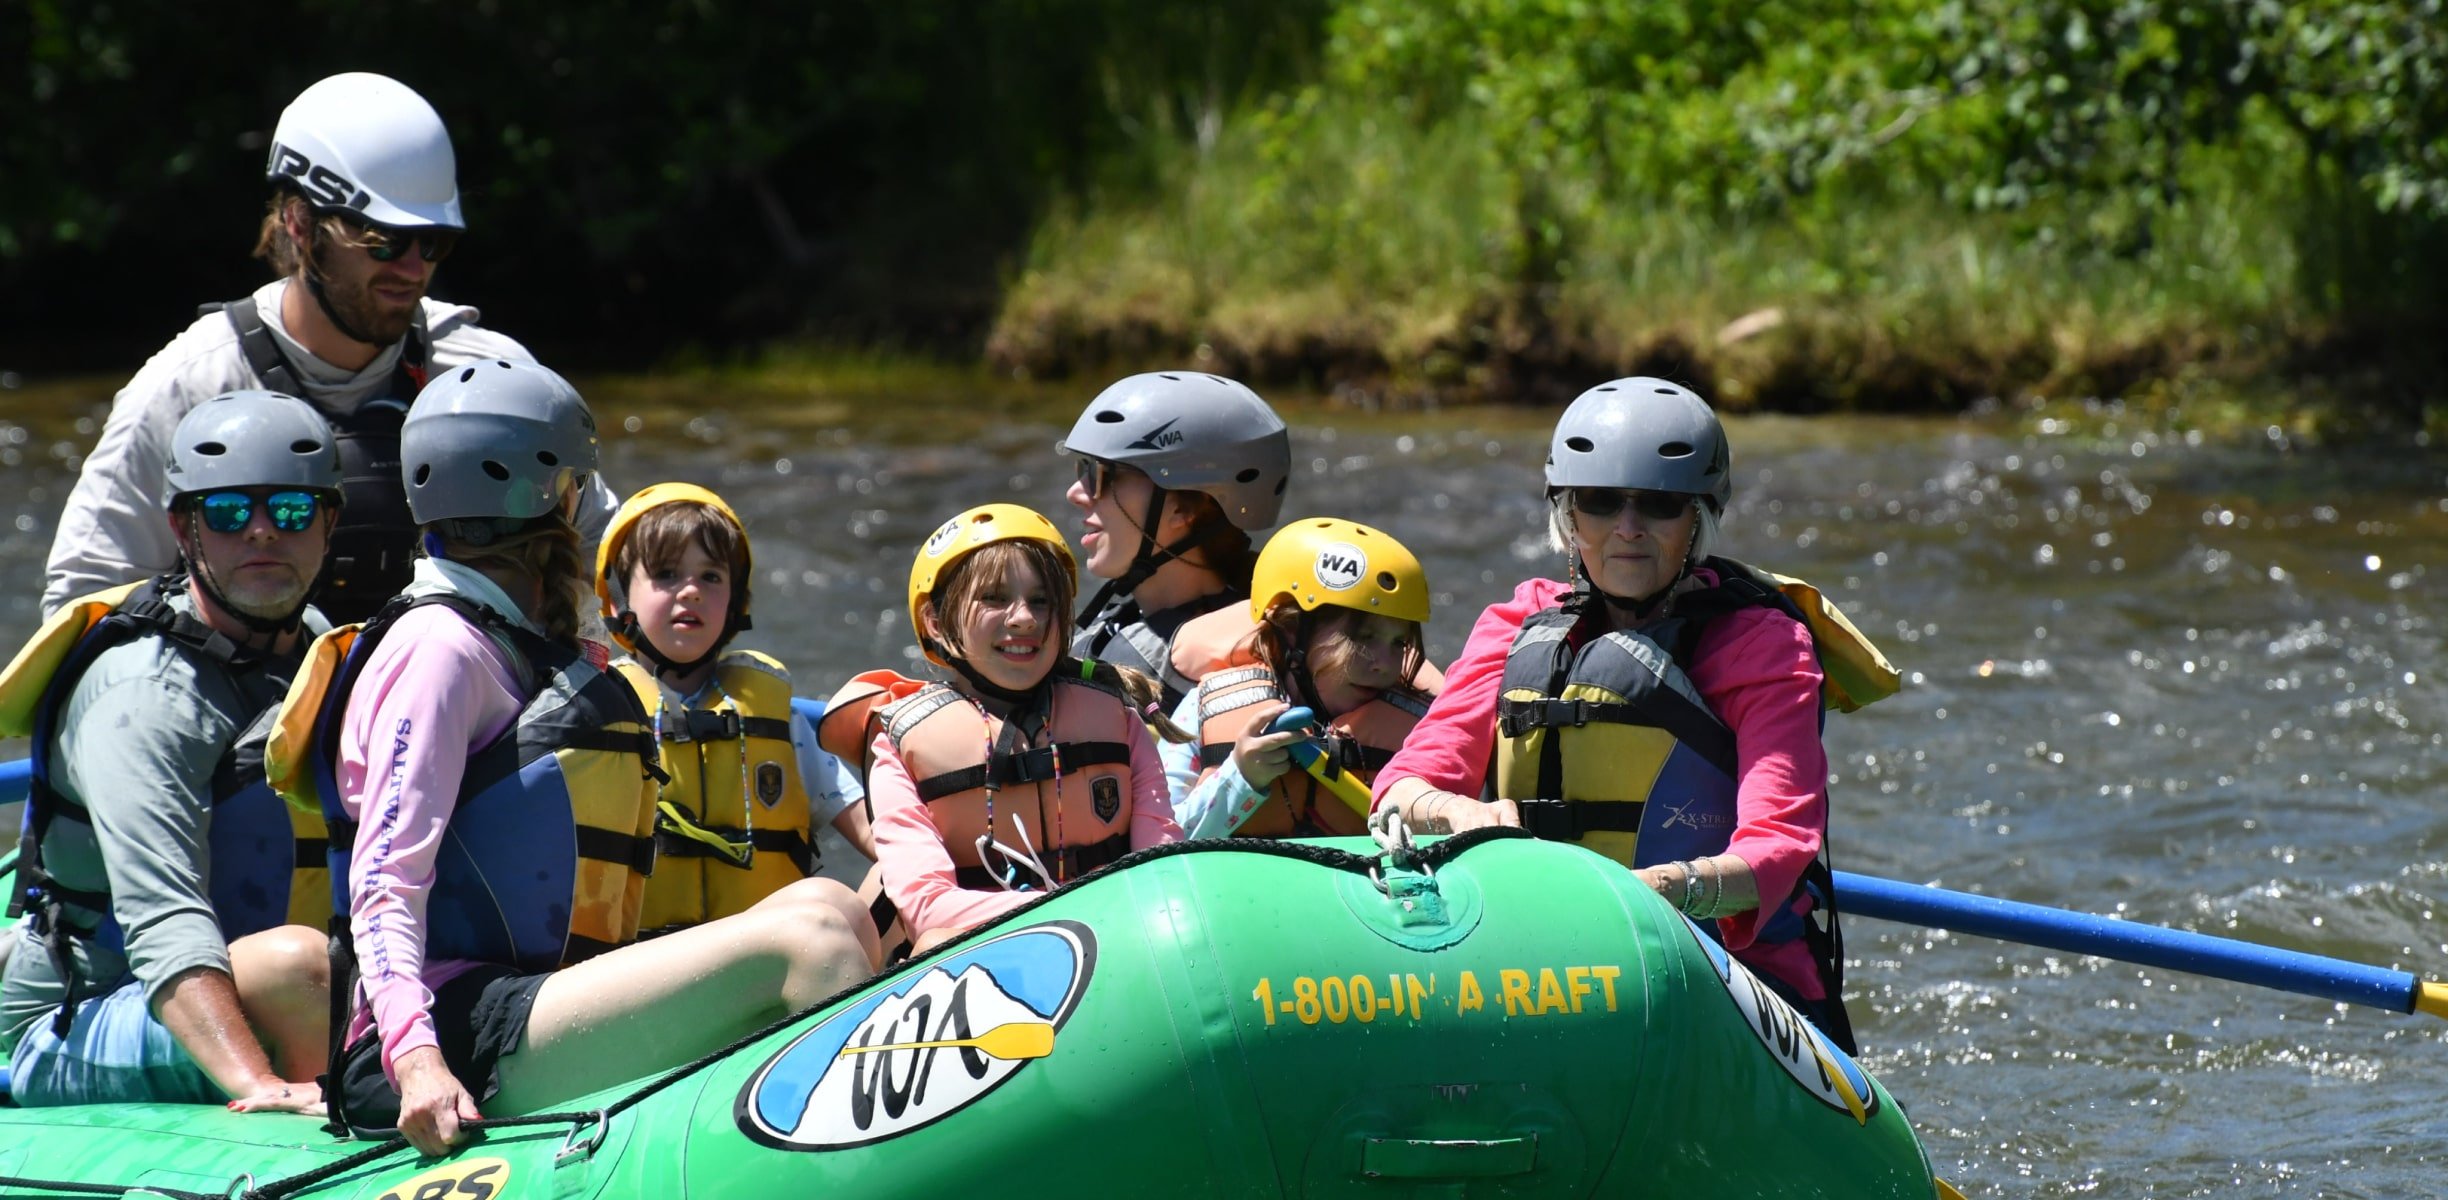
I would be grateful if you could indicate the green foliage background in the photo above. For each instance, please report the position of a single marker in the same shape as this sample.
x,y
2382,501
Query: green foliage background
x,y
1807,204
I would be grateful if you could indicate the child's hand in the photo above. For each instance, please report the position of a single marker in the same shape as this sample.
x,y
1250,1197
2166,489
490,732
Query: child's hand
x,y
1261,756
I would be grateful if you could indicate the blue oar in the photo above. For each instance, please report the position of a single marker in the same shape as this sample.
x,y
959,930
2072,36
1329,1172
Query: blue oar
x,y
1310,757
2133,942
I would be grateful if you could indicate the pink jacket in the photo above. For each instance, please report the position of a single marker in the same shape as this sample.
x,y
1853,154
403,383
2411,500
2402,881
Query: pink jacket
x,y
1757,671
433,692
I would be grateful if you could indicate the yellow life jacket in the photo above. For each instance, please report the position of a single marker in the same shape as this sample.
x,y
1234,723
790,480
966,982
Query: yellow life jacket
x,y
718,851
1608,743
267,864
545,857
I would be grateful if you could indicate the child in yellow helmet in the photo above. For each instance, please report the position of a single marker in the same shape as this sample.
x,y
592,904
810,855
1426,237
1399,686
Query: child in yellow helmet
x,y
1334,625
737,820
1026,770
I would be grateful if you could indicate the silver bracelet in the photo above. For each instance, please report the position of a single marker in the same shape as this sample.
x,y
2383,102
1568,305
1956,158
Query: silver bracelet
x,y
1712,890
1691,887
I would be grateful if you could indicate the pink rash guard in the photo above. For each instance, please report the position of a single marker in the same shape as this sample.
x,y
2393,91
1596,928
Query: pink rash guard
x,y
433,692
1756,669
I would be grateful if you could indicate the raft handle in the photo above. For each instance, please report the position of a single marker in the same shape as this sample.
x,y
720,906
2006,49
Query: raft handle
x,y
593,1125
240,1186
1448,1158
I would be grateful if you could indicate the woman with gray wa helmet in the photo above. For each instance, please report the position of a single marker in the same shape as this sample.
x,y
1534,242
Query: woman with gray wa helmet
x,y
1176,470
493,793
1662,706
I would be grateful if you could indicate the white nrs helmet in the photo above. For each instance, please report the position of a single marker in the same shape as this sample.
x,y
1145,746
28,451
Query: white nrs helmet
x,y
368,144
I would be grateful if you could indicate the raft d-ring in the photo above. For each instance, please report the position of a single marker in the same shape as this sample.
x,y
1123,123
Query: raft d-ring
x,y
593,1125
241,1186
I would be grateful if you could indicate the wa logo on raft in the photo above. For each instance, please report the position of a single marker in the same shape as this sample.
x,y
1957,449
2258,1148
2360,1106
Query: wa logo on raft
x,y
1808,1057
925,1047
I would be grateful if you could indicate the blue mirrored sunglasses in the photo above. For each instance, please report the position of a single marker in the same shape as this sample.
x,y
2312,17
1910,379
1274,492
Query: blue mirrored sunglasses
x,y
229,512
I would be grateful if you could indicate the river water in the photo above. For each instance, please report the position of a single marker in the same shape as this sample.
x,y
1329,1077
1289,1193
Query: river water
x,y
2190,683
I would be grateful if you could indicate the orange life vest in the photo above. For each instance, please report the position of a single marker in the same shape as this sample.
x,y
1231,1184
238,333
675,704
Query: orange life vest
x,y
1058,787
1361,741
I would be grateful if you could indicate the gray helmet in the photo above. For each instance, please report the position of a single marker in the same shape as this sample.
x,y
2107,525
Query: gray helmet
x,y
1642,433
495,440
1193,432
252,439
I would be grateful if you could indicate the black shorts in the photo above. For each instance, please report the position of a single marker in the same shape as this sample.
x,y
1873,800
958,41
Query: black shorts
x,y
480,1018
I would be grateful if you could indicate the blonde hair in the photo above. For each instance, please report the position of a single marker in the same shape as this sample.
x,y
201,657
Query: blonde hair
x,y
546,552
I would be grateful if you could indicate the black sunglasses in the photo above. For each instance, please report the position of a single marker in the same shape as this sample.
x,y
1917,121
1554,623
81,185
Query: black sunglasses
x,y
1095,475
384,244
1608,503
230,512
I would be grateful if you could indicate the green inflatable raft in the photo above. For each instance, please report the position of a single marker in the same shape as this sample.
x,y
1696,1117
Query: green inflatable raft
x,y
1498,1017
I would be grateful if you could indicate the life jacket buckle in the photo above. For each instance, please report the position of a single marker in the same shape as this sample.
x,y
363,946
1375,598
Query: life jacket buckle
x,y
1551,820
702,725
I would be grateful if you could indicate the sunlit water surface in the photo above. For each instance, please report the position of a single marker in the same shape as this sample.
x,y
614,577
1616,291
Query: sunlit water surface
x,y
2193,684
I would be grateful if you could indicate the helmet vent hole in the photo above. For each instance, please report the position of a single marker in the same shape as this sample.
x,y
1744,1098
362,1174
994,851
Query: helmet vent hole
x,y
1607,388
1581,444
1675,450
424,472
1169,378
468,376
548,458
1247,475
497,471
1109,417
1279,484
304,446
1670,391
1385,580
213,448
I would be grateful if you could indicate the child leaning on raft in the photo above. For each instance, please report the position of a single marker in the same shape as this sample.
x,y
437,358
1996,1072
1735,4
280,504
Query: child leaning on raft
x,y
748,785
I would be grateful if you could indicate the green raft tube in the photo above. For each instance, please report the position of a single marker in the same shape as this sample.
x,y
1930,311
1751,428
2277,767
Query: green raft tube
x,y
1499,1017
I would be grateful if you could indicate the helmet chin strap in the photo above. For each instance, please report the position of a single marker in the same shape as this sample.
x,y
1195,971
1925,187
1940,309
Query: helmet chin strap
x,y
1145,561
624,625
987,687
1296,670
1641,609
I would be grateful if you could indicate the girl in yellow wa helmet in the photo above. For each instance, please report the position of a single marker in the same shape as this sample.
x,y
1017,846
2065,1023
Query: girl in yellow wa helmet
x,y
1026,770
1334,625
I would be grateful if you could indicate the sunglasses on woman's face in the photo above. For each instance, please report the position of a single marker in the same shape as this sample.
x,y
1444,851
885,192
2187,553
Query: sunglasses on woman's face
x,y
1606,504
230,512
1095,475
384,244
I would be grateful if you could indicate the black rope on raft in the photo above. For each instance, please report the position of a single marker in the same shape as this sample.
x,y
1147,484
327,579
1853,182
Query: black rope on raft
x,y
1434,856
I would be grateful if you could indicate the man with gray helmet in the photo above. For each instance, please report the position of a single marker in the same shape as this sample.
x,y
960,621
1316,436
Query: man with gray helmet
x,y
159,872
365,206
1176,470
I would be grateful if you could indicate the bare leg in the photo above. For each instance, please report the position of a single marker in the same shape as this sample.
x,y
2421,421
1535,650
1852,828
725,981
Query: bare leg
x,y
658,1004
283,977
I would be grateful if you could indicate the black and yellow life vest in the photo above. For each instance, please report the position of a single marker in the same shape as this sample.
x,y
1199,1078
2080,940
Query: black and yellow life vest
x,y
732,824
267,866
1604,740
545,857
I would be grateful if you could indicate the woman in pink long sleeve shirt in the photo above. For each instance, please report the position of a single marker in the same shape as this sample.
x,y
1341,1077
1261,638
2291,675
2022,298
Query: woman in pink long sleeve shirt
x,y
498,455
1637,478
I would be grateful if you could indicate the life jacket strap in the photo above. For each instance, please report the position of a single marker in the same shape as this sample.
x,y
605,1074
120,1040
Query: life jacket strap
x,y
1034,765
1568,820
1517,717
706,725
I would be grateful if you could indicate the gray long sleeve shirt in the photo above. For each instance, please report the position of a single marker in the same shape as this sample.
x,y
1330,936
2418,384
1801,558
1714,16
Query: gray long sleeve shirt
x,y
112,532
137,745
